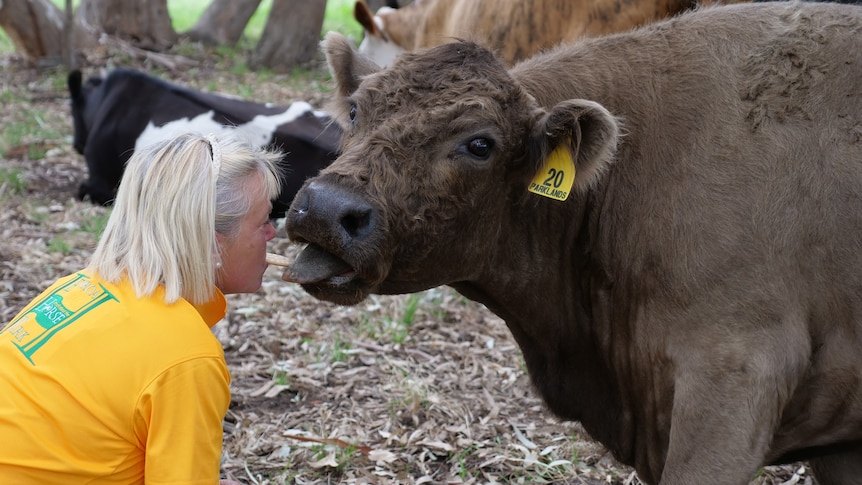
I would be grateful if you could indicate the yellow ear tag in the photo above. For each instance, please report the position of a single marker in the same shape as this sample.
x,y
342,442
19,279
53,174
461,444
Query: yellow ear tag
x,y
557,176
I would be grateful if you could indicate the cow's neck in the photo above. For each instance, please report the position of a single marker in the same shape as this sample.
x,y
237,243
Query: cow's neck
x,y
567,355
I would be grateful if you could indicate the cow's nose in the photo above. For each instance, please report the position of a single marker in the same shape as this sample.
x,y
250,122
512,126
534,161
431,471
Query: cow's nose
x,y
329,215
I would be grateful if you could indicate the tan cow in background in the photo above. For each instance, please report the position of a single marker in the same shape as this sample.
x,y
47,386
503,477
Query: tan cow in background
x,y
515,29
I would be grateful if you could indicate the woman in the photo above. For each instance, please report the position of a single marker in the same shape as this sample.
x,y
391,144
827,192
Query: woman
x,y
112,375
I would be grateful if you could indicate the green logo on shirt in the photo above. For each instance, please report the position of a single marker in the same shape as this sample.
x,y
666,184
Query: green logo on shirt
x,y
54,312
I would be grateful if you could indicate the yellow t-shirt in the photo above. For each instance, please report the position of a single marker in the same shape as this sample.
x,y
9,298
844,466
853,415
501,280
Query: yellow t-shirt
x,y
100,387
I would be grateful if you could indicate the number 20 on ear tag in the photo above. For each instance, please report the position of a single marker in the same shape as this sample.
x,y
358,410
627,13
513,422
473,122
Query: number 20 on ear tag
x,y
557,175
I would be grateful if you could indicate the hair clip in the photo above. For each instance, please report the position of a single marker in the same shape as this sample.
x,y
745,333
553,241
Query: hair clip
x,y
216,151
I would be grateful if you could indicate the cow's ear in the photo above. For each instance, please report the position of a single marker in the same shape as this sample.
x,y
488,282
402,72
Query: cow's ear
x,y
363,15
74,83
347,66
578,130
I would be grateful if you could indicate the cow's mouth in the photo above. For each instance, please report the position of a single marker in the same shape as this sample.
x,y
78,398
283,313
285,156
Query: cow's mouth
x,y
315,266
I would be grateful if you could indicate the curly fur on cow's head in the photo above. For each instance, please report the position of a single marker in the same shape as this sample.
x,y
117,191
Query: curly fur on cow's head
x,y
444,141
423,109
432,93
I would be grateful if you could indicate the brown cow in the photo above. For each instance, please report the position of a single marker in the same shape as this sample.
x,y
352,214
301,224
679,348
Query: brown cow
x,y
515,29
695,301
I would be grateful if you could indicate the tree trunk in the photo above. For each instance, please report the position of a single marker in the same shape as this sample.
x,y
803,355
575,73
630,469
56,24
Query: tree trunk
x,y
69,58
35,28
223,22
144,24
291,35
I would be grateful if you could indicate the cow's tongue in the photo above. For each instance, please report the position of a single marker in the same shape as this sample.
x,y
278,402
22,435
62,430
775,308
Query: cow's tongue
x,y
314,265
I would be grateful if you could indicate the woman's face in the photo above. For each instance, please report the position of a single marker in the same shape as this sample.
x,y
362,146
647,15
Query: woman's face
x,y
243,258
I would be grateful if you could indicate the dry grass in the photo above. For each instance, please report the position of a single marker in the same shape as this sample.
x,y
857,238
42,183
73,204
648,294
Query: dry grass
x,y
426,388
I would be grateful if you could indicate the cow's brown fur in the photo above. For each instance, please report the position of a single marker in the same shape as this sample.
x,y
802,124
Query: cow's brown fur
x,y
696,303
518,29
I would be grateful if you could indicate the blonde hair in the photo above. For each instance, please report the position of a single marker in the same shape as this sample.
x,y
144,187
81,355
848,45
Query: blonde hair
x,y
175,195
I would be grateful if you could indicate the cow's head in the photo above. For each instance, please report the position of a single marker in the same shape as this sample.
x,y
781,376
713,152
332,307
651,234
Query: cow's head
x,y
437,151
85,99
387,34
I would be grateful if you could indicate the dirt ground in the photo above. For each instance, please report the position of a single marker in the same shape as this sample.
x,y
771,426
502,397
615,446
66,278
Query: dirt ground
x,y
425,388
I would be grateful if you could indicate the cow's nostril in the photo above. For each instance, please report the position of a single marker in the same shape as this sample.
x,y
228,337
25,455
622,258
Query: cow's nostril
x,y
300,203
356,222
331,216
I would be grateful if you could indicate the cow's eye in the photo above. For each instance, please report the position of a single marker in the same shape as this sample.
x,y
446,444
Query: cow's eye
x,y
480,147
352,114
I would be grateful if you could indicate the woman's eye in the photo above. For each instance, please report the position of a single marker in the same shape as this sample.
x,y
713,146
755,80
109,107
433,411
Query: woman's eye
x,y
480,147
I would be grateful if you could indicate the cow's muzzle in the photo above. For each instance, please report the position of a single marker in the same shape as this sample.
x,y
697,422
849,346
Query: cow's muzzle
x,y
336,224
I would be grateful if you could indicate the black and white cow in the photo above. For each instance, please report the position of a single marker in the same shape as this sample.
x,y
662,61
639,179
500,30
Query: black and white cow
x,y
129,109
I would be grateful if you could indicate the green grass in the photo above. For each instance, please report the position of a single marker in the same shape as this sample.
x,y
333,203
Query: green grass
x,y
12,181
12,136
90,224
339,17
6,46
280,377
463,471
395,329
184,14
95,224
23,129
410,311
59,245
339,350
